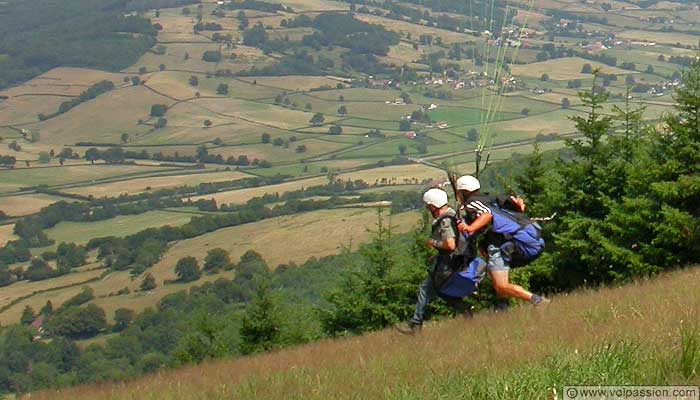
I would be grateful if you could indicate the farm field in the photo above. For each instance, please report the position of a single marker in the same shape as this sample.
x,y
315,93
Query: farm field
x,y
18,206
63,81
6,233
123,225
349,227
139,185
12,180
20,289
89,121
16,109
241,196
564,69
395,174
402,27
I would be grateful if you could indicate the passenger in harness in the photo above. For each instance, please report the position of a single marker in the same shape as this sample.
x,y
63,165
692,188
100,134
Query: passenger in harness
x,y
454,274
508,238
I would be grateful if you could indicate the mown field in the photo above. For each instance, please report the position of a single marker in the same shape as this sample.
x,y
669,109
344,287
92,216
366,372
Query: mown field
x,y
21,205
139,185
12,180
607,336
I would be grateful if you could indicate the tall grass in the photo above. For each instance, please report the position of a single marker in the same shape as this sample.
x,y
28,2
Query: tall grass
x,y
642,333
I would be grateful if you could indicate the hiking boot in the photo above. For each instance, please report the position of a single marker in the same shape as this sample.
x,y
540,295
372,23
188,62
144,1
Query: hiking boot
x,y
409,328
539,301
502,305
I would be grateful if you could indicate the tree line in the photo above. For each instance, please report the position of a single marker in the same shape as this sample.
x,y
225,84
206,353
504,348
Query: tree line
x,y
34,37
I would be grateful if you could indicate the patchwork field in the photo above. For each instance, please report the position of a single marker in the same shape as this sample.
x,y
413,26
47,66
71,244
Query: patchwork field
x,y
395,174
564,69
133,186
18,206
90,121
63,81
403,28
291,82
352,228
23,109
123,225
12,180
243,195
349,226
6,233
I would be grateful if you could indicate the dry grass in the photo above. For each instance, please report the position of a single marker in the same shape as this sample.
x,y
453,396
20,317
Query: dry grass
x,y
122,225
25,109
552,122
531,18
140,185
553,97
18,206
293,82
24,288
659,37
403,53
258,113
395,174
6,233
448,37
138,300
387,365
14,179
103,119
348,227
563,69
315,5
175,84
243,195
63,81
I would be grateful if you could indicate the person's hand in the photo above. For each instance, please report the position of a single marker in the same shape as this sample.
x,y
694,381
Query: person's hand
x,y
430,243
519,202
463,227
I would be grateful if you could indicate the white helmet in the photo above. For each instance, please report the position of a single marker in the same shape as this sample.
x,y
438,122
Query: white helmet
x,y
435,197
468,183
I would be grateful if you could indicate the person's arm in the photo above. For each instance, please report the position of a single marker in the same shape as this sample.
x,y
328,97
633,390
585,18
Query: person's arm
x,y
519,203
481,211
481,222
449,244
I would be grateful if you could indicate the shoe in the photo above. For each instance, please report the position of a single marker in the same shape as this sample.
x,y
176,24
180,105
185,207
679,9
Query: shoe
x,y
502,305
409,328
540,301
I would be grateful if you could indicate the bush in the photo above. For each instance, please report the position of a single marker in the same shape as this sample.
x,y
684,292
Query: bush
x,y
158,110
187,270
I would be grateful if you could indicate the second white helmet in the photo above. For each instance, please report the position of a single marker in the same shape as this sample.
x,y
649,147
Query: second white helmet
x,y
468,183
435,197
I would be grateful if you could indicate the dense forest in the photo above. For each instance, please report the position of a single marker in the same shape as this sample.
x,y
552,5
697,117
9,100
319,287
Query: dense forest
x,y
39,35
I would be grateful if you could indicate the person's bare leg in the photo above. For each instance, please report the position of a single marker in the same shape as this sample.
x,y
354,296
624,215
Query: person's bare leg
x,y
504,288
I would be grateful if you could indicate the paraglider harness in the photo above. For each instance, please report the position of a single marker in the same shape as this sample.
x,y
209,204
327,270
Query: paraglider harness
x,y
518,237
458,274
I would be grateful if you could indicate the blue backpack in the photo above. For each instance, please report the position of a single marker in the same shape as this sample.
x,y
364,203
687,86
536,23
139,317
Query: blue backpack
x,y
459,275
524,241
463,283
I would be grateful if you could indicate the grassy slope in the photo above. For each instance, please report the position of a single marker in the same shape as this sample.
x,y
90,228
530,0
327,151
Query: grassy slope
x,y
628,335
